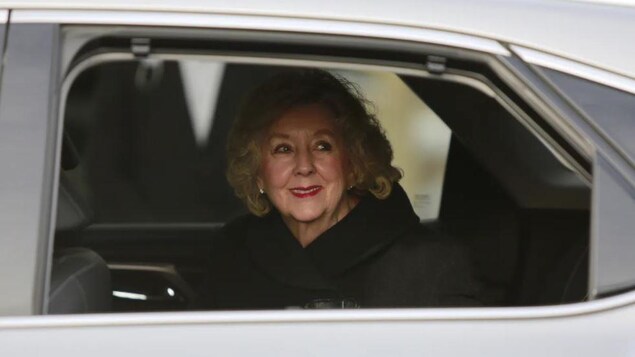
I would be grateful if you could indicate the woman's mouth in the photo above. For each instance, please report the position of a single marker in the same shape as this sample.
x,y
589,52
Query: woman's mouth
x,y
302,192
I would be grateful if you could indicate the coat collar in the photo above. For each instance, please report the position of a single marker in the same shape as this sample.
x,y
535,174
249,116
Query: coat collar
x,y
370,227
274,249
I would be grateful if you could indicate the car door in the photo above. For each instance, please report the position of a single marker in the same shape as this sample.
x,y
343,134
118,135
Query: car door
x,y
36,63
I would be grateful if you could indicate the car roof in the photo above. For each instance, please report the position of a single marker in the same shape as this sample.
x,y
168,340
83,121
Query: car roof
x,y
597,33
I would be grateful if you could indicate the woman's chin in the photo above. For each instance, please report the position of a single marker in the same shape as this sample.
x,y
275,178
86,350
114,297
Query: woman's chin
x,y
307,216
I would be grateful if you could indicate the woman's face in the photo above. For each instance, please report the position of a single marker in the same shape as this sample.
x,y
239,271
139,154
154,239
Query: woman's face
x,y
304,169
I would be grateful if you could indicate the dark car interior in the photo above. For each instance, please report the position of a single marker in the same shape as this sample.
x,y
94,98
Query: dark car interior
x,y
138,199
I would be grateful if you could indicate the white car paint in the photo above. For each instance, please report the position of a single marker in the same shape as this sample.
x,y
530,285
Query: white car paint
x,y
593,33
602,327
588,329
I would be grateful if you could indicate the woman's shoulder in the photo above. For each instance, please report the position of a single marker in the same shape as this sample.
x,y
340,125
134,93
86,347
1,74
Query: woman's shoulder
x,y
444,263
431,241
427,250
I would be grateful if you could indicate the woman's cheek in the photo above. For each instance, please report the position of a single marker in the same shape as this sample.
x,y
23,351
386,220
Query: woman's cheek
x,y
331,168
277,171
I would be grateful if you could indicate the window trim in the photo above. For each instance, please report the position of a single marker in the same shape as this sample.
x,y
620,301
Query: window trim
x,y
30,112
577,69
425,313
271,23
316,316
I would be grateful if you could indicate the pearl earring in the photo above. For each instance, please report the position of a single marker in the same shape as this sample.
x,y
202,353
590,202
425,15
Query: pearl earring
x,y
262,192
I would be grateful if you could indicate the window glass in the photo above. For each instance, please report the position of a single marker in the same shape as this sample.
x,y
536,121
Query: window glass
x,y
611,108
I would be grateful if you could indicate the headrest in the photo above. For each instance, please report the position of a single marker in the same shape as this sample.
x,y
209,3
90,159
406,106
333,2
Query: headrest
x,y
73,210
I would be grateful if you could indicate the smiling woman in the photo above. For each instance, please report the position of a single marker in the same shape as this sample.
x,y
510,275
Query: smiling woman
x,y
309,140
331,226
305,173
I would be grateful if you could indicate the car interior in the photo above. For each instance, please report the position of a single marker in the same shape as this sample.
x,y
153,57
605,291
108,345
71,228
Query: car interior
x,y
140,201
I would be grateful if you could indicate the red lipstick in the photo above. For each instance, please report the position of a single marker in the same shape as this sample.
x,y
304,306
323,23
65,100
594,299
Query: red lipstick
x,y
303,192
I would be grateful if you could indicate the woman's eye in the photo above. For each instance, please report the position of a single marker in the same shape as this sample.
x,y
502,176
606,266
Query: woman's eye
x,y
324,146
282,148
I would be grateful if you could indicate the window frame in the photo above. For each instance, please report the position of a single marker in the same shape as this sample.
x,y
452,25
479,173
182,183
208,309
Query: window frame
x,y
94,56
613,194
493,57
29,97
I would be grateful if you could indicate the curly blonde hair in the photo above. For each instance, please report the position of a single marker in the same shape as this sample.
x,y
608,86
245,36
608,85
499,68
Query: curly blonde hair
x,y
365,143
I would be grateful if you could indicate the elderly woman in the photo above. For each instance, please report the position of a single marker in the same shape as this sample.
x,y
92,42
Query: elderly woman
x,y
330,226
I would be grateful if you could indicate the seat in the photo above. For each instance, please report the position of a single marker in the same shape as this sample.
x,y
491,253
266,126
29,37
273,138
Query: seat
x,y
522,256
80,279
80,283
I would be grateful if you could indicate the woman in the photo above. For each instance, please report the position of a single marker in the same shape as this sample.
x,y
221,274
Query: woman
x,y
330,226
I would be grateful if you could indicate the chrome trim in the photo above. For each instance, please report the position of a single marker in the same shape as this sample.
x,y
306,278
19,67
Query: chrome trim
x,y
129,296
575,68
317,316
264,23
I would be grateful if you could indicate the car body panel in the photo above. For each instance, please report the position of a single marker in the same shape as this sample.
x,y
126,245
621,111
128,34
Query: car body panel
x,y
28,130
597,34
600,327
28,126
231,21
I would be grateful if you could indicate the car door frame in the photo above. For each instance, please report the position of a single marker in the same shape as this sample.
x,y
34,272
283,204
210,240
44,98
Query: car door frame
x,y
34,112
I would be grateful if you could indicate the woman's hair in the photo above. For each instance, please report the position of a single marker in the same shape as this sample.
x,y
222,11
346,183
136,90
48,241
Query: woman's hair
x,y
365,143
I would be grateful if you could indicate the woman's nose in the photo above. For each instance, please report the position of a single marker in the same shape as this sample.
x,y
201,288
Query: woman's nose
x,y
304,162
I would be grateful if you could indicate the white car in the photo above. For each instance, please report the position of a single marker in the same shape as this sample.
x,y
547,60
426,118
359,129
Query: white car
x,y
514,122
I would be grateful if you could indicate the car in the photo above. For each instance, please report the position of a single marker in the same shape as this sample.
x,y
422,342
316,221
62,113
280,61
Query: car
x,y
511,120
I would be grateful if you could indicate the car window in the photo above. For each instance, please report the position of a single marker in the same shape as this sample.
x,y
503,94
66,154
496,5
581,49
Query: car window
x,y
610,110
143,188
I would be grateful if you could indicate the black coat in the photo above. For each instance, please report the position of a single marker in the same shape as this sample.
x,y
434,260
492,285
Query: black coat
x,y
379,255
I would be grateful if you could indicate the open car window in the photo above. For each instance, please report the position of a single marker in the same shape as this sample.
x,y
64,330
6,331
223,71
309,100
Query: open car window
x,y
144,160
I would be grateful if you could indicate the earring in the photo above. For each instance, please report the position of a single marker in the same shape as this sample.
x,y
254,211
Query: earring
x,y
350,187
262,192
